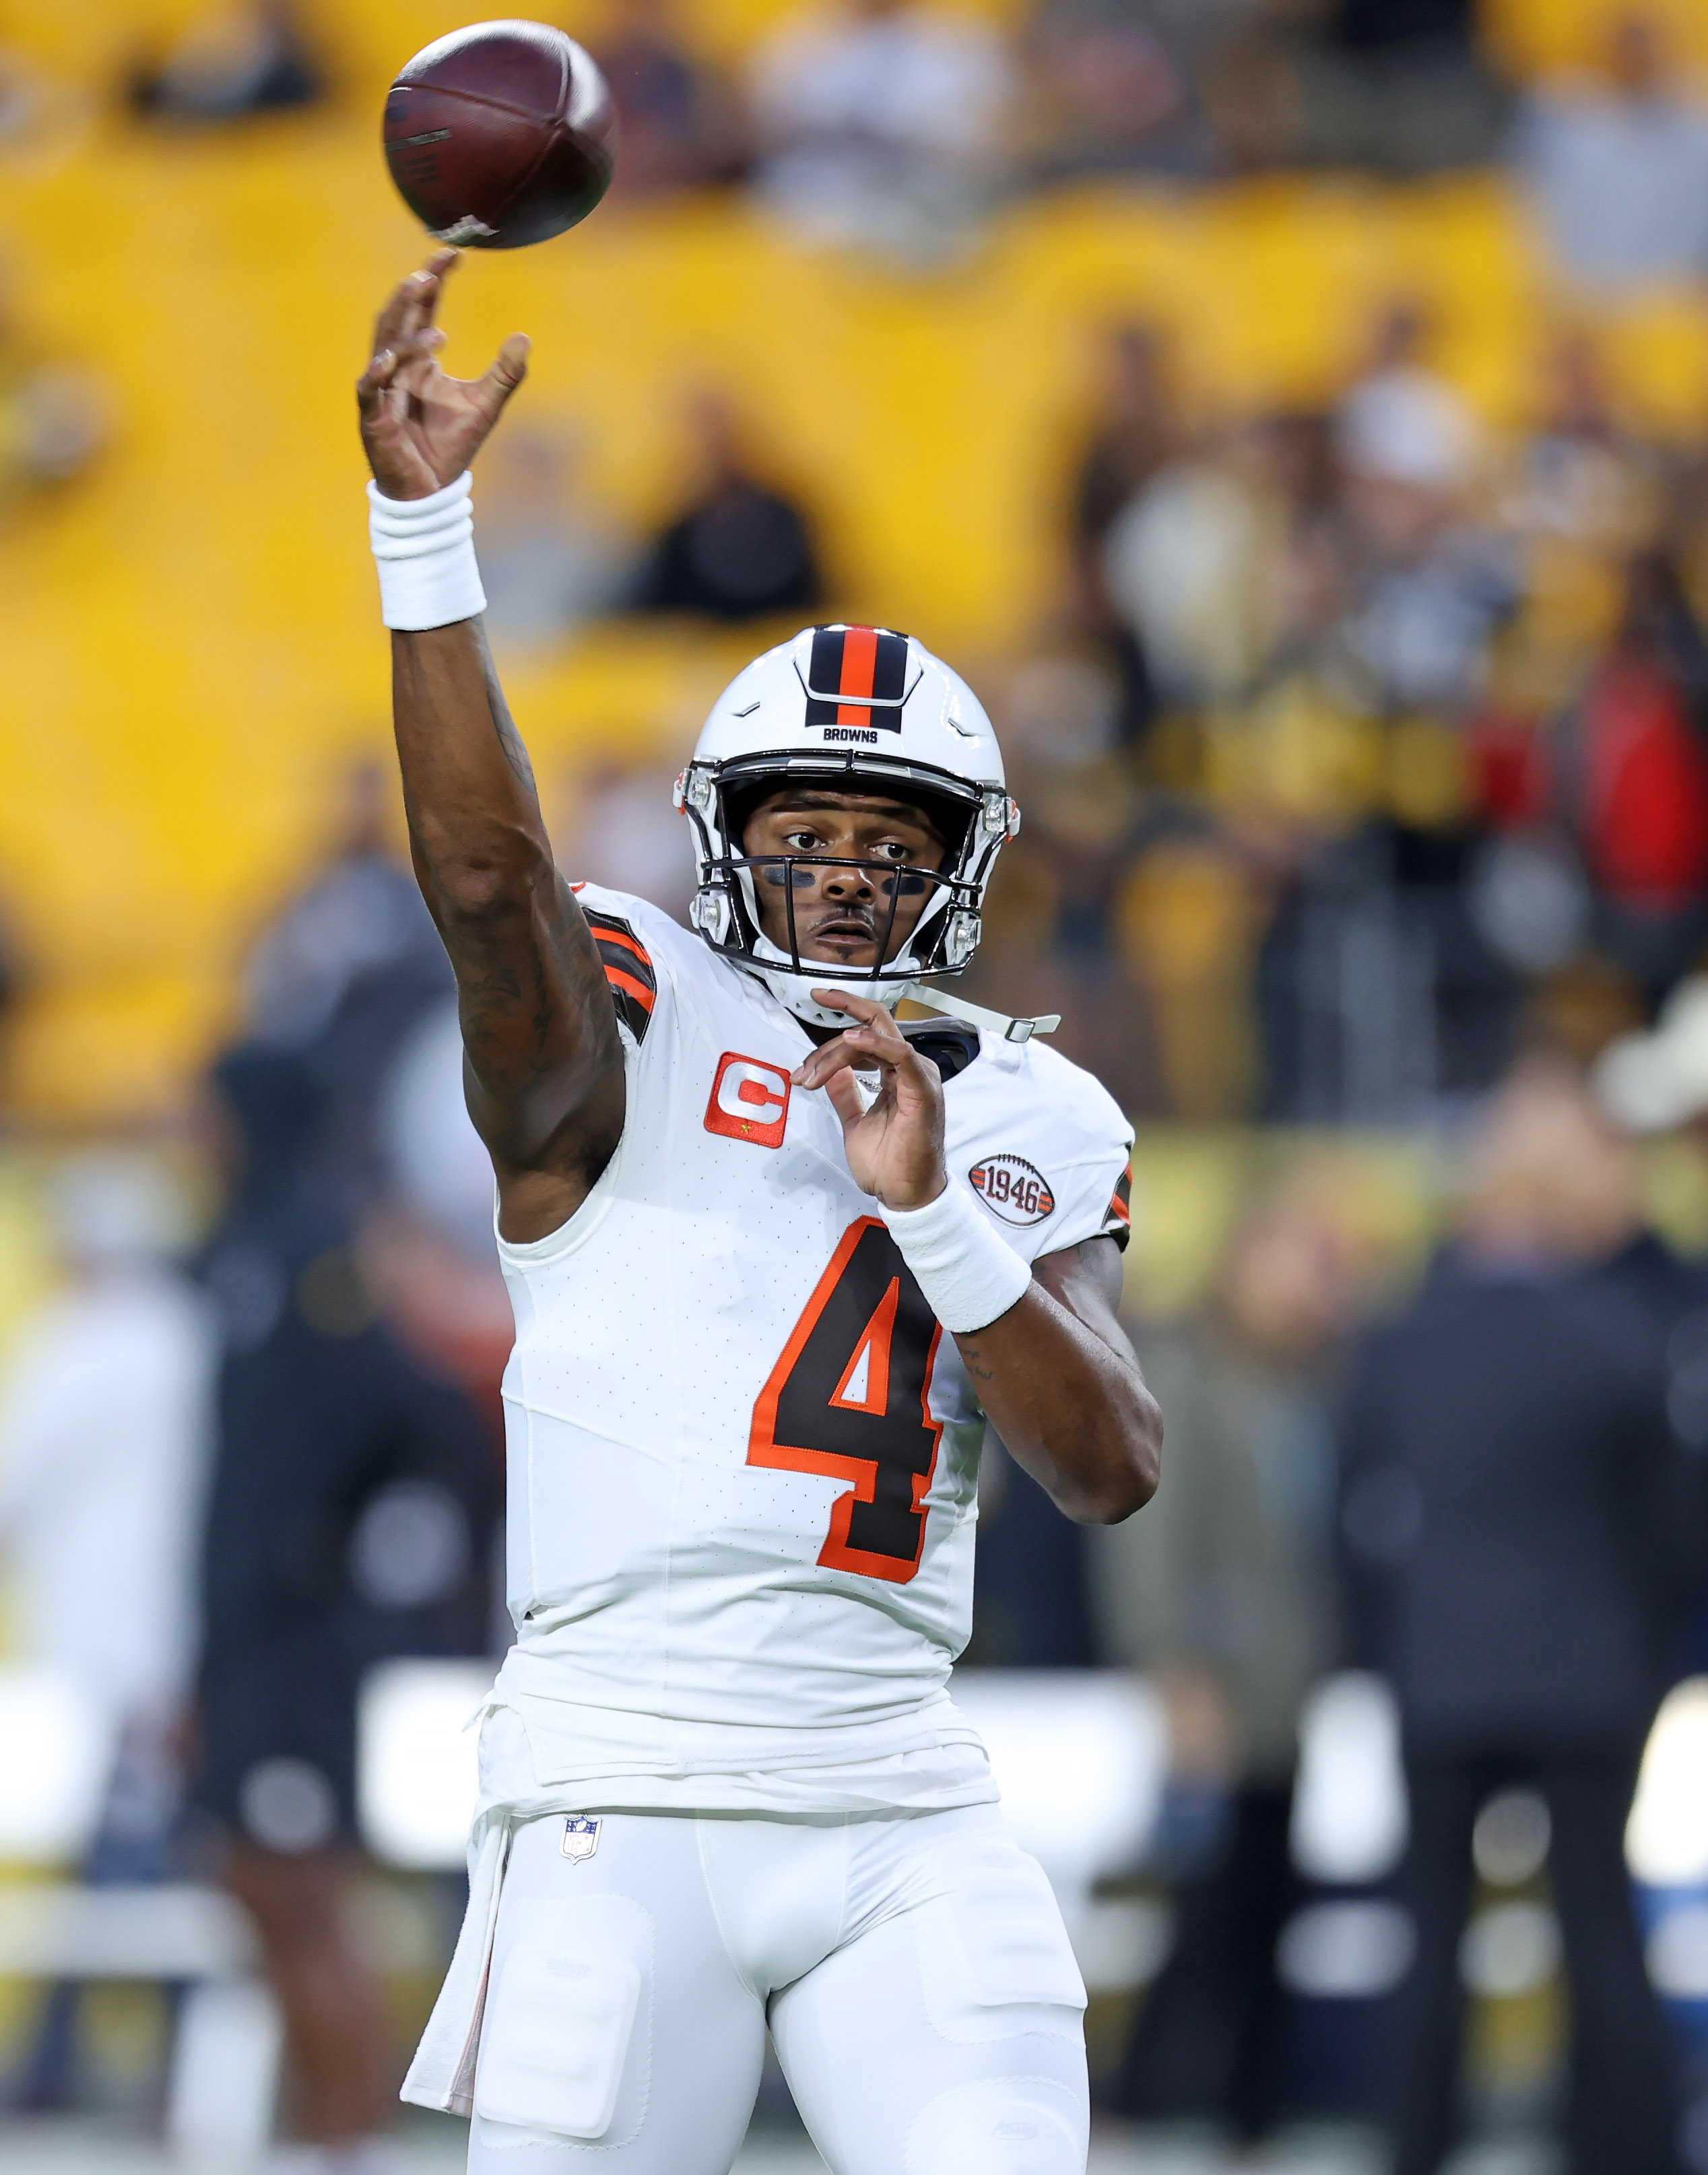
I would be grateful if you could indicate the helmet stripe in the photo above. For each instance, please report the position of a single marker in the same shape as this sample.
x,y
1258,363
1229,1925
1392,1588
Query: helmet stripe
x,y
851,670
859,665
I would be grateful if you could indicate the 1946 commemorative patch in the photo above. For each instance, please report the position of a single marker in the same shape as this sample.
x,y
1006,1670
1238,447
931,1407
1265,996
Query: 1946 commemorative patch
x,y
580,1835
1013,1189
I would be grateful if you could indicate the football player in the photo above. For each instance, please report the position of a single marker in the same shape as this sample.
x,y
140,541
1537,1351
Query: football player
x,y
774,1260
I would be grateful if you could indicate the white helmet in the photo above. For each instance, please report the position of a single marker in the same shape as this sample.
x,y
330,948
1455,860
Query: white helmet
x,y
866,708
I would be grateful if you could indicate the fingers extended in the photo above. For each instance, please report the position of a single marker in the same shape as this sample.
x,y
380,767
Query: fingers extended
x,y
509,366
412,301
384,371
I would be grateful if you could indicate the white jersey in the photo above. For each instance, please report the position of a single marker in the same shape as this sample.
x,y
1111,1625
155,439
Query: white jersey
x,y
743,1456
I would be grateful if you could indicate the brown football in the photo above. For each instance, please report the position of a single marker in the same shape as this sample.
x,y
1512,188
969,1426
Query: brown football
x,y
500,135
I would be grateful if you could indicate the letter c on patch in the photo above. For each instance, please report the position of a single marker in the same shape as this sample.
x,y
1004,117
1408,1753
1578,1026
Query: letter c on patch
x,y
749,1100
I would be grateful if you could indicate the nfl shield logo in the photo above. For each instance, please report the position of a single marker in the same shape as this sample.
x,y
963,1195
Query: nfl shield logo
x,y
580,1835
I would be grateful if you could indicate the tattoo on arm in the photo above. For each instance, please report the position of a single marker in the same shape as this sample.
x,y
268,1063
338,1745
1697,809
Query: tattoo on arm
x,y
515,753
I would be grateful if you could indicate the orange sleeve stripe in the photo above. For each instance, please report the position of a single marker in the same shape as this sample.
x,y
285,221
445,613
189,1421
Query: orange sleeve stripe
x,y
638,990
604,933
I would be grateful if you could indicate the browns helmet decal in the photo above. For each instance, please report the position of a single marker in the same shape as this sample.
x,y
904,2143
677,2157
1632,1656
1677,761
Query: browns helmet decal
x,y
858,675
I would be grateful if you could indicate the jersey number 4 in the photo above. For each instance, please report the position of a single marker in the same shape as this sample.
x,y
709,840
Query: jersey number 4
x,y
849,1396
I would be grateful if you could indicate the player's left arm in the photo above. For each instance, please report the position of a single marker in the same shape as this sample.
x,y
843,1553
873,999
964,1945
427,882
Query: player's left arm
x,y
1059,1382
1053,1367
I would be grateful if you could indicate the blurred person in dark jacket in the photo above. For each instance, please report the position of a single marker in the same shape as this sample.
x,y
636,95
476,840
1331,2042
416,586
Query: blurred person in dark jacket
x,y
1226,1597
739,552
231,63
679,127
1520,1531
354,1493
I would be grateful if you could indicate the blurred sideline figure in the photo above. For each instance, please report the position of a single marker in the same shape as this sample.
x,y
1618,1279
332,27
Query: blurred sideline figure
x,y
1519,1534
352,1497
354,1486
1225,1593
104,1417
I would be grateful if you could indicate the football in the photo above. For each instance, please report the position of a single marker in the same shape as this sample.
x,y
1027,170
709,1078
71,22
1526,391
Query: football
x,y
500,135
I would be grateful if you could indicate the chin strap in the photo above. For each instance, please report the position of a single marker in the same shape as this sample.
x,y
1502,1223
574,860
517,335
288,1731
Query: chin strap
x,y
998,1024
791,989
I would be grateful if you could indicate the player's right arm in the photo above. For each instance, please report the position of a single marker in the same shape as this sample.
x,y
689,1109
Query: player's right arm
x,y
544,1066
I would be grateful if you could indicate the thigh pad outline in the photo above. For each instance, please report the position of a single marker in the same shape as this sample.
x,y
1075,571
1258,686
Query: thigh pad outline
x,y
1001,2126
995,1959
561,2020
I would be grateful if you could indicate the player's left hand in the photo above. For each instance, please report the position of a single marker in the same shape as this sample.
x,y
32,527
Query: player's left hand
x,y
895,1149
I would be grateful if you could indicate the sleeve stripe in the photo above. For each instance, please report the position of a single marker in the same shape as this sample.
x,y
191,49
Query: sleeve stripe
x,y
628,969
1118,1216
615,961
626,983
614,932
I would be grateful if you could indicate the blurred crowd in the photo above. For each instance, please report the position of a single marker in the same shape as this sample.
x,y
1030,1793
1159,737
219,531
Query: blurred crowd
x,y
1359,748
1363,755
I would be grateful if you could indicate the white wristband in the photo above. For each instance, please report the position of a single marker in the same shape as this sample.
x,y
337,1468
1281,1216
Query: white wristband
x,y
968,1276
425,551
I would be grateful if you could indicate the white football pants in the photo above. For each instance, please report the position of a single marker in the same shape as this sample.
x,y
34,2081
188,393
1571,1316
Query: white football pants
x,y
913,1967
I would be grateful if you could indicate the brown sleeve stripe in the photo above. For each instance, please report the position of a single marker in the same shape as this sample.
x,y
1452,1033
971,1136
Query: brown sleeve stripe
x,y
1118,1217
628,969
608,931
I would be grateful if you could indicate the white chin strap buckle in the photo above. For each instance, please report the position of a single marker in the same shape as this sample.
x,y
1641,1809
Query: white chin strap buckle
x,y
996,1023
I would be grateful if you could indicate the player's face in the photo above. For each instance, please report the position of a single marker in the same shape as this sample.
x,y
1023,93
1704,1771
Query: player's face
x,y
841,914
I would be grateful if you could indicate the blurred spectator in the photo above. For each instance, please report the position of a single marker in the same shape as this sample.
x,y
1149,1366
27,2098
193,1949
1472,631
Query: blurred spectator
x,y
1130,436
1396,85
103,1440
882,122
1579,495
1029,1605
105,1418
621,829
1617,166
1114,79
40,114
1651,1082
53,413
1520,1530
678,130
740,551
550,559
1225,1595
1192,568
1629,773
349,965
1052,943
233,61
1431,586
354,1496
